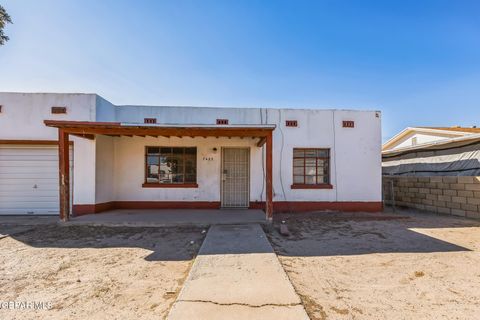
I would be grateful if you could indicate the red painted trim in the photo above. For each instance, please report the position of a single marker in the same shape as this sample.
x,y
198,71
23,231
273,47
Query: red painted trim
x,y
311,186
278,207
82,209
167,204
170,185
347,206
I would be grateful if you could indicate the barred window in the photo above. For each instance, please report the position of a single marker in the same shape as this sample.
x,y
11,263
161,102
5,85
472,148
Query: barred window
x,y
311,166
171,165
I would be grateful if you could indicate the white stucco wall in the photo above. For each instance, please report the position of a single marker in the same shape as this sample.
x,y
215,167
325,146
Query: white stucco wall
x,y
112,168
130,169
22,118
104,169
355,154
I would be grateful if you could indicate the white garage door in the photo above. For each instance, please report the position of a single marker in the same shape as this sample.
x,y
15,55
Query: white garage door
x,y
29,179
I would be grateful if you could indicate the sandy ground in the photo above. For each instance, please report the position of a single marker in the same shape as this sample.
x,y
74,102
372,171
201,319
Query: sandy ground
x,y
94,272
423,267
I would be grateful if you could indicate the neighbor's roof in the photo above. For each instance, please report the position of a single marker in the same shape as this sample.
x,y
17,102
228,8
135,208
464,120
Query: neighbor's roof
x,y
435,145
455,129
447,132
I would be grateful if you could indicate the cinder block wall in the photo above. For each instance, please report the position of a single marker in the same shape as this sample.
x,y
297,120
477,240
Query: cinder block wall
x,y
458,196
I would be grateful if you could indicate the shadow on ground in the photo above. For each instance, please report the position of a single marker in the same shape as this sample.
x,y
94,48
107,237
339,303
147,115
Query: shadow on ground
x,y
166,244
312,234
333,234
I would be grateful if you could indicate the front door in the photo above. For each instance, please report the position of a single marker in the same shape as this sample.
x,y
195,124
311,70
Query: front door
x,y
235,188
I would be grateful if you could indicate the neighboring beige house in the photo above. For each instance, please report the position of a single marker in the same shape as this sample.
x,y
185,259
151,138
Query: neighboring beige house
x,y
412,137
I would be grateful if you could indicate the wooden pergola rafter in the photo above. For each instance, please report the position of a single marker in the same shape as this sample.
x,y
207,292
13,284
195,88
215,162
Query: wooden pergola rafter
x,y
89,129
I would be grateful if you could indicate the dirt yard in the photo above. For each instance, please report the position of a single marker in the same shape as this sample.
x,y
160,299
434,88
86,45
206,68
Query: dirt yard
x,y
94,273
423,267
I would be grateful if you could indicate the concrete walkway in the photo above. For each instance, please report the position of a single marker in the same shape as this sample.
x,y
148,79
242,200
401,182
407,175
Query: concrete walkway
x,y
236,275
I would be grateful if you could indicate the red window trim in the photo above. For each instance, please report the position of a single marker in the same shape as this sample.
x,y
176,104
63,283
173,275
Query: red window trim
x,y
316,185
311,186
166,185
170,185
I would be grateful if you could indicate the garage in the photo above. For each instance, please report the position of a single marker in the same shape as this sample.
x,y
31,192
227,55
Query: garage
x,y
29,179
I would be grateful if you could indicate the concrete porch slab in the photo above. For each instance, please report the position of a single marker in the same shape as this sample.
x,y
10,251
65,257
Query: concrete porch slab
x,y
236,275
169,217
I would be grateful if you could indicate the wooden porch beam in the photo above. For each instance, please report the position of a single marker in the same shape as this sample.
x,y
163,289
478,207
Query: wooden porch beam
x,y
168,132
87,136
64,174
261,142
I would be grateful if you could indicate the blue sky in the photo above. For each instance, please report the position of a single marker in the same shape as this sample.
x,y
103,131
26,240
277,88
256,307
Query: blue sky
x,y
416,61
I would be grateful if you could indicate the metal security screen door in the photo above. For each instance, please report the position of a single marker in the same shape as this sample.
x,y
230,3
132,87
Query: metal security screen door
x,y
235,177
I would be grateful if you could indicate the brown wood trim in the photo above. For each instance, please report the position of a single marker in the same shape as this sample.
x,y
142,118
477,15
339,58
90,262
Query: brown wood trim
x,y
311,186
261,142
34,142
170,185
89,127
64,174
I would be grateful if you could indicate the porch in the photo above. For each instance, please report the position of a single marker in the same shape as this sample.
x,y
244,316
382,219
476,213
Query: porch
x,y
158,166
170,217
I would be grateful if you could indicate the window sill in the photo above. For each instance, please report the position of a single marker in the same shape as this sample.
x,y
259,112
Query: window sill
x,y
170,185
312,186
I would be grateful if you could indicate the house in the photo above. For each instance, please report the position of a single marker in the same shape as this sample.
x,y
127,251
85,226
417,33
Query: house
x,y
80,154
441,151
418,136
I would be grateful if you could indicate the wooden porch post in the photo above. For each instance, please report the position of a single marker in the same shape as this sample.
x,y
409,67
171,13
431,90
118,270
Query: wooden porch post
x,y
268,177
64,174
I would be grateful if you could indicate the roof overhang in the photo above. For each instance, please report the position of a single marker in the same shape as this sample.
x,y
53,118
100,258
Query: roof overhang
x,y
88,129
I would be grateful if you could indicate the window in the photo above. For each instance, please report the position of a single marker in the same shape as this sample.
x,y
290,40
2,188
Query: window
x,y
167,166
311,168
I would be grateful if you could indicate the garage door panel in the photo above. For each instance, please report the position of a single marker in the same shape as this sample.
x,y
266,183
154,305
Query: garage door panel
x,y
33,205
4,195
29,180
34,177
